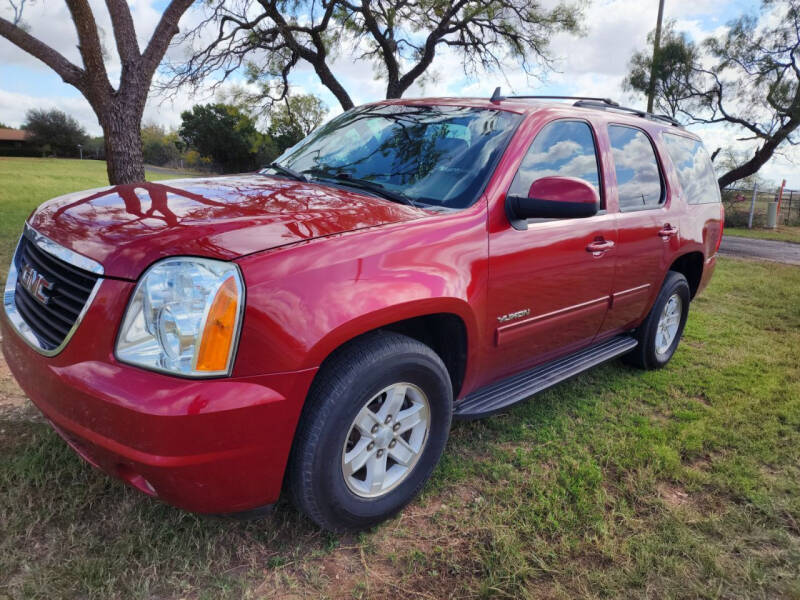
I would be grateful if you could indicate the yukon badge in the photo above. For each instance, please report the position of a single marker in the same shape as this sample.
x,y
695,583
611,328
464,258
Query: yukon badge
x,y
514,315
35,283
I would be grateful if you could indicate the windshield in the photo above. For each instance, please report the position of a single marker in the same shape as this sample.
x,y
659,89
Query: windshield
x,y
432,155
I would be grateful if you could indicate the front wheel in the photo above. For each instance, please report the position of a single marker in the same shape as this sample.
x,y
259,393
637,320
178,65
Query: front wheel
x,y
660,332
373,428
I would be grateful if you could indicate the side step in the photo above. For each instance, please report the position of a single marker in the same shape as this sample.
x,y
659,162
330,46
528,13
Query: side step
x,y
502,394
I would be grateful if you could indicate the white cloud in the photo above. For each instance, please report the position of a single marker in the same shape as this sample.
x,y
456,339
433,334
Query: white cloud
x,y
14,105
593,65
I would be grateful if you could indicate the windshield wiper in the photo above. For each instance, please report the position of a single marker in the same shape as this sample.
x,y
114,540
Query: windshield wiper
x,y
288,172
365,184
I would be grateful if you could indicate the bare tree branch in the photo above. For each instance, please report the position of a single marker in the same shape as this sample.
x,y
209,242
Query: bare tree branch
x,y
124,31
399,37
90,48
69,72
18,8
162,35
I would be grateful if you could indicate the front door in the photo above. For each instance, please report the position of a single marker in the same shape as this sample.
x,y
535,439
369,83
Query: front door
x,y
550,284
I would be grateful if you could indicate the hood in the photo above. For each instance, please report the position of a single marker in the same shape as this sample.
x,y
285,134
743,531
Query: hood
x,y
128,227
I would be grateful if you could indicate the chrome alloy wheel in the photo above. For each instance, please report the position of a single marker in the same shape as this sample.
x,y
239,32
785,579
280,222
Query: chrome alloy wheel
x,y
668,323
386,440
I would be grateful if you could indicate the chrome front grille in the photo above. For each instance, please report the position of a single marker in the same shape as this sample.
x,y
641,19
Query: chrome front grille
x,y
48,291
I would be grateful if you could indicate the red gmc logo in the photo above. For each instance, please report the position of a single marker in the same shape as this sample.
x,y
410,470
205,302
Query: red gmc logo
x,y
35,283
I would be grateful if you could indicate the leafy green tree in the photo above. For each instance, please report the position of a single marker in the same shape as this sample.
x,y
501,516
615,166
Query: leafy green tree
x,y
674,69
747,78
54,131
270,38
294,118
158,145
95,148
224,133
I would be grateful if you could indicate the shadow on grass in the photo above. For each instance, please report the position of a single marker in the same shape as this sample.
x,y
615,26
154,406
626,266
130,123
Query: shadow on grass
x,y
69,530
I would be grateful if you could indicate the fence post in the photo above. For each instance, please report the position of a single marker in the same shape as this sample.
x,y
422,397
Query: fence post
x,y
752,206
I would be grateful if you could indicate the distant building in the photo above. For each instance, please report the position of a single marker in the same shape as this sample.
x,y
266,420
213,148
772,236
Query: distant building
x,y
14,142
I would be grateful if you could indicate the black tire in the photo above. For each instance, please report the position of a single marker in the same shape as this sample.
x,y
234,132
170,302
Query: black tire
x,y
346,383
645,355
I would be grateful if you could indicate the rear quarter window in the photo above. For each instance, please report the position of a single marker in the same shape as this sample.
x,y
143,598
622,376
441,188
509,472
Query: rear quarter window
x,y
695,171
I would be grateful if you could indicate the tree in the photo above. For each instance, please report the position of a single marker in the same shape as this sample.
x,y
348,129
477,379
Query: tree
x,y
158,145
119,111
55,131
225,133
294,119
748,78
95,148
401,38
673,70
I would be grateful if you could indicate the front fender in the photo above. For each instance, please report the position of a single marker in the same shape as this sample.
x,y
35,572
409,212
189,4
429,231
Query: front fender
x,y
306,300
387,315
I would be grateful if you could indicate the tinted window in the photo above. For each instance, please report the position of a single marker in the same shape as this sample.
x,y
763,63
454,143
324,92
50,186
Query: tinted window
x,y
562,148
436,155
638,178
695,171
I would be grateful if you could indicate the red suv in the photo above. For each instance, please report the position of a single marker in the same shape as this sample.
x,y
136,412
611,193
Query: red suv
x,y
317,325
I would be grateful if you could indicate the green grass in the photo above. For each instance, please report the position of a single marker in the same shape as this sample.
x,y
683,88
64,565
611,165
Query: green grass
x,y
783,233
679,483
27,182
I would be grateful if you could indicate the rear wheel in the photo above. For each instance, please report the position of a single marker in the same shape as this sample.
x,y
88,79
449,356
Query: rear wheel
x,y
373,428
660,332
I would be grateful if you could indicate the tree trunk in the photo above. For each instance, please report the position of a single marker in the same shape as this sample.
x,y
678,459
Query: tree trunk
x,y
760,157
123,142
329,81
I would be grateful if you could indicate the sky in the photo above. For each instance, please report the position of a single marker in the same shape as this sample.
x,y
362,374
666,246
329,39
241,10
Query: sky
x,y
593,65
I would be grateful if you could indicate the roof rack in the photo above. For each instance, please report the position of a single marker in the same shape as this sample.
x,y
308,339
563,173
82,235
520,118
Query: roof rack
x,y
602,105
591,102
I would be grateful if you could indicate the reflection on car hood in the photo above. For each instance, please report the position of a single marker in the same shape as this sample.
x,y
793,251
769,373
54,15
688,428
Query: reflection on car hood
x,y
128,227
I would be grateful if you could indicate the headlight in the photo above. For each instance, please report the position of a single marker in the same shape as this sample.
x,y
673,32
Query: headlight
x,y
184,318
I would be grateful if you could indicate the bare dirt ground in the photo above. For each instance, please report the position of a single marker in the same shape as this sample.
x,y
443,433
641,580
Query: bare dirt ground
x,y
11,396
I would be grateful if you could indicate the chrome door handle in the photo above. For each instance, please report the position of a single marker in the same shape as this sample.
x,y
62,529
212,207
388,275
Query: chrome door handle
x,y
599,246
668,231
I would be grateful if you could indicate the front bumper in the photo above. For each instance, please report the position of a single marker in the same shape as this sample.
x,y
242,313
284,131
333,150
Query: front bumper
x,y
211,446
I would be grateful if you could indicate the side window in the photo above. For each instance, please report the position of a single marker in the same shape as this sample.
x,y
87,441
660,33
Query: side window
x,y
561,148
638,179
695,171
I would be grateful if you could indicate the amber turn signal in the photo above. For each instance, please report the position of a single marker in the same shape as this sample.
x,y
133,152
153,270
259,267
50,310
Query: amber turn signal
x,y
220,328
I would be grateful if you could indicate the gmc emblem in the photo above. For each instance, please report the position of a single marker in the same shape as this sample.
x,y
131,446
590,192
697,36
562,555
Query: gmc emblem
x,y
35,283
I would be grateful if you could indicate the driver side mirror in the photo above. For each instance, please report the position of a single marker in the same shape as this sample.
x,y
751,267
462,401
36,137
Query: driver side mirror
x,y
553,198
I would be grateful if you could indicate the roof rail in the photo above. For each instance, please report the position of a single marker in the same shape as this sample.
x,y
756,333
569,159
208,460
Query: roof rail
x,y
604,101
634,111
591,102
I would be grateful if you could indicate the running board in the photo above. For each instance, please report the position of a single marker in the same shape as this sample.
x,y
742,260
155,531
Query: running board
x,y
502,394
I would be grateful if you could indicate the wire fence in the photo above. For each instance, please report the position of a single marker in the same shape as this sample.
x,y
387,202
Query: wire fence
x,y
739,203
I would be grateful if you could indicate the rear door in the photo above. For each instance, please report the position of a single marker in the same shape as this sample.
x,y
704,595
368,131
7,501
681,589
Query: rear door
x,y
548,291
646,226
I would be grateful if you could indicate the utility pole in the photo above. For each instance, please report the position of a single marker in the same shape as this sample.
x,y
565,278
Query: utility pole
x,y
652,91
